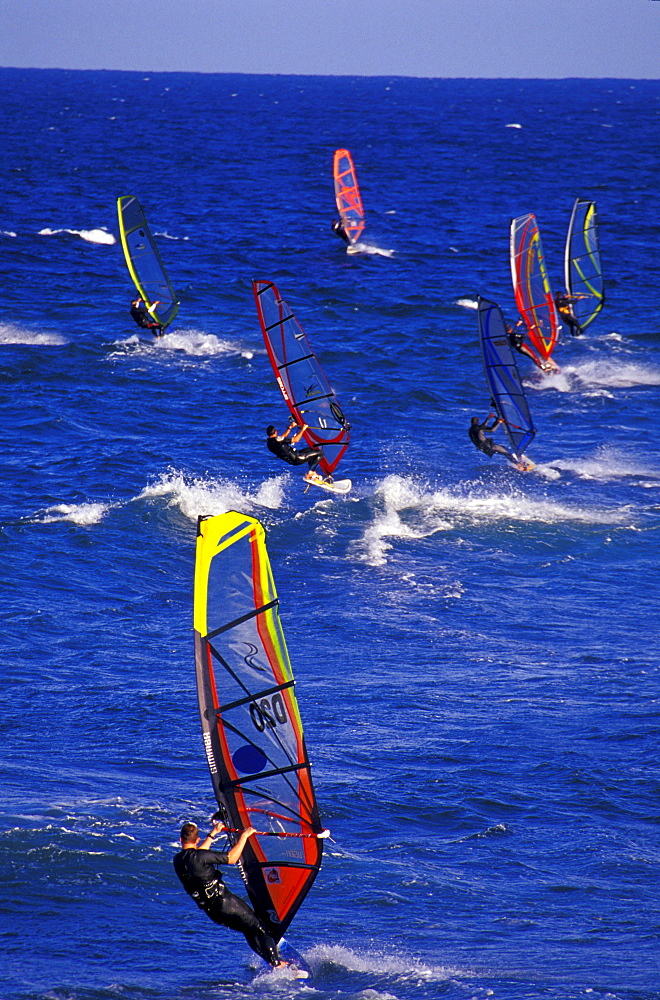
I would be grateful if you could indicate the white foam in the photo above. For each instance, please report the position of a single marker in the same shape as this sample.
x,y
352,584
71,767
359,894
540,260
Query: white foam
x,y
10,334
467,303
407,509
7,232
369,248
198,343
605,374
82,513
513,125
89,235
607,464
399,966
196,495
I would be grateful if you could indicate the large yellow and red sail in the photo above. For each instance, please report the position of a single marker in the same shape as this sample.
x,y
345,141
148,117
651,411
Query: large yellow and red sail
x,y
251,726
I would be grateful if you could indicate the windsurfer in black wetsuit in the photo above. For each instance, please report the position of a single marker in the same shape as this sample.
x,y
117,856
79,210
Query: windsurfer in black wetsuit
x,y
477,433
563,302
338,229
517,341
144,317
195,865
278,445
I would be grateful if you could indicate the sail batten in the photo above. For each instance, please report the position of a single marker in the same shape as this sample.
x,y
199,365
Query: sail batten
x,y
302,381
144,262
251,725
347,195
583,272
531,285
503,377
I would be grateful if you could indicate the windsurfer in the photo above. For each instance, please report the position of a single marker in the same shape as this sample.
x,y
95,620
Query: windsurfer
x,y
517,341
281,448
563,302
477,434
143,316
338,229
195,865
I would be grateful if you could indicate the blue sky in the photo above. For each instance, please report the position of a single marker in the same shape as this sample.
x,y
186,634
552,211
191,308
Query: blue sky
x,y
439,38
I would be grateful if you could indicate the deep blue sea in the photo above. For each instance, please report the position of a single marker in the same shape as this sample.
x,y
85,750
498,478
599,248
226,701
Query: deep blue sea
x,y
475,648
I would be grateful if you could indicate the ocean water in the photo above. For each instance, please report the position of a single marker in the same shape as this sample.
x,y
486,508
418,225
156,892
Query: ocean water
x,y
475,649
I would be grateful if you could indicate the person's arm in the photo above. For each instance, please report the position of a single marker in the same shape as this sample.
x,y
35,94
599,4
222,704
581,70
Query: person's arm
x,y
495,424
236,851
217,828
153,305
297,437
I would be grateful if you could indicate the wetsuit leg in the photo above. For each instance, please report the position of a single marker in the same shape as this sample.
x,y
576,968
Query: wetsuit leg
x,y
569,320
310,455
231,911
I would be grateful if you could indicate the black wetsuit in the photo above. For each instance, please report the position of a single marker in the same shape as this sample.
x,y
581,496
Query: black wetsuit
x,y
144,320
566,316
201,880
338,229
288,454
479,439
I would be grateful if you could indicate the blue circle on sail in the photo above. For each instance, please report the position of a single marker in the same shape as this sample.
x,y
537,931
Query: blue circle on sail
x,y
249,759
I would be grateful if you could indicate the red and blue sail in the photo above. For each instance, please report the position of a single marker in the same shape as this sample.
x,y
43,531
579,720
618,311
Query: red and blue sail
x,y
305,388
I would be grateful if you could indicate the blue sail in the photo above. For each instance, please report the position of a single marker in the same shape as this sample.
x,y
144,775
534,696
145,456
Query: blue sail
x,y
503,377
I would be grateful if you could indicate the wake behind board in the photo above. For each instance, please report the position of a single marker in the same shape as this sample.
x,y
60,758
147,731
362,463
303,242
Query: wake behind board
x,y
338,486
296,967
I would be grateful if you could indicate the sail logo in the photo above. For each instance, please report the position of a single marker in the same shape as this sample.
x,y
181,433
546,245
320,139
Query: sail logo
x,y
209,753
273,876
267,714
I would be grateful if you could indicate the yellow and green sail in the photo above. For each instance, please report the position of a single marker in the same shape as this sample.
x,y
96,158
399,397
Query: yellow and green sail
x,y
583,270
144,261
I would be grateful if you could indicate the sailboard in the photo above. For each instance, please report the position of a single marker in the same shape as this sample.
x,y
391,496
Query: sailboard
x,y
144,261
531,286
347,195
305,388
251,726
583,272
503,378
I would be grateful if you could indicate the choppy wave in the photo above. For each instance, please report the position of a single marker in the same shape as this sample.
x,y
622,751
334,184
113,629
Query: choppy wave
x,y
89,235
197,495
10,334
84,514
406,509
168,236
